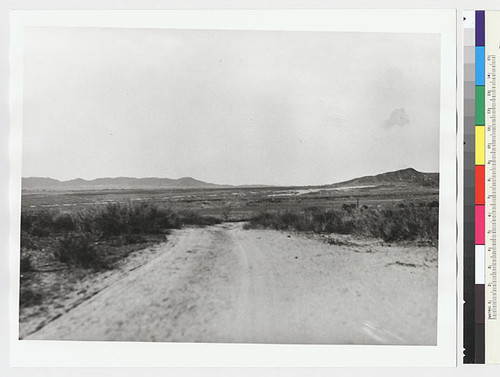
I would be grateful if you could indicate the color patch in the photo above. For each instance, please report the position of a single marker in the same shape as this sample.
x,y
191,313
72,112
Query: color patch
x,y
480,28
480,105
480,225
480,65
480,304
479,184
480,152
479,353
479,264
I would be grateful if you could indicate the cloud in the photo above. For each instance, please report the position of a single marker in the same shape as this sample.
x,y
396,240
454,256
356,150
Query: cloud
x,y
398,117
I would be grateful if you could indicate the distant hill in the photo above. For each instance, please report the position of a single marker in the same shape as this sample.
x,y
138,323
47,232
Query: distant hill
x,y
404,176
36,183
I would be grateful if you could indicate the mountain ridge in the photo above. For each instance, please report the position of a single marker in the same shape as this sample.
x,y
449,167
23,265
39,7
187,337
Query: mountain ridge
x,y
403,176
40,183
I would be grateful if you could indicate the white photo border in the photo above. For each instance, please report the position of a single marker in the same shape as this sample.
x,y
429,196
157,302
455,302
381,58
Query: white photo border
x,y
31,353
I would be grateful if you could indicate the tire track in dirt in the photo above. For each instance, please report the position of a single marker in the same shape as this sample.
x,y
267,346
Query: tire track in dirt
x,y
256,316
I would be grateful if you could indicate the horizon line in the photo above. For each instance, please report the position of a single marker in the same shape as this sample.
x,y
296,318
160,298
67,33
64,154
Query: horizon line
x,y
222,184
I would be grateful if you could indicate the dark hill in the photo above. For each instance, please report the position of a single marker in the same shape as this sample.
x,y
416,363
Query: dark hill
x,y
404,176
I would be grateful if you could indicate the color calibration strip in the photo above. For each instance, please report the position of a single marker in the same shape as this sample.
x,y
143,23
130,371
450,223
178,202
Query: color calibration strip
x,y
481,319
480,183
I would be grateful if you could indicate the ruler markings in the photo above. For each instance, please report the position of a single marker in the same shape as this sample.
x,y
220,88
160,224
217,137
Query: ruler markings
x,y
490,255
492,320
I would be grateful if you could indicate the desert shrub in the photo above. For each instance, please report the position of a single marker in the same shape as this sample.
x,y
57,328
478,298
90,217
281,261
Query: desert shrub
x,y
110,221
133,238
433,204
44,219
141,218
151,219
393,228
409,223
38,223
26,264
85,220
127,239
27,242
326,222
63,223
193,218
144,218
348,207
28,297
131,218
288,220
121,223
390,223
39,231
45,223
261,220
77,249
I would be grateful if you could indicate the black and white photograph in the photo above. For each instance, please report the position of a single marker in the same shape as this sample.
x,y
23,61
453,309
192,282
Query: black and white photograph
x,y
230,186
219,186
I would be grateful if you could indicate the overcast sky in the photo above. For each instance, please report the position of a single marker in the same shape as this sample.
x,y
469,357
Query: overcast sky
x,y
233,107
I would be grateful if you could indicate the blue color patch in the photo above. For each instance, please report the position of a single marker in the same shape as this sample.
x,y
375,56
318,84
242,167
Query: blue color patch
x,y
479,65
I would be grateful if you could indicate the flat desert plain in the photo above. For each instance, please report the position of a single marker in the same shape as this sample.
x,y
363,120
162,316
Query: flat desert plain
x,y
251,266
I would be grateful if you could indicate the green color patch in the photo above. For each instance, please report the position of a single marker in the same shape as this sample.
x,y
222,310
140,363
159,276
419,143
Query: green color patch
x,y
480,104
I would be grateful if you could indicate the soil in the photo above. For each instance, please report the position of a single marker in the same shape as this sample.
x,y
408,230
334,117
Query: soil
x,y
225,284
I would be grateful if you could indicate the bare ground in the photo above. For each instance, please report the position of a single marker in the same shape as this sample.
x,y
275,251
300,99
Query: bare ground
x,y
225,284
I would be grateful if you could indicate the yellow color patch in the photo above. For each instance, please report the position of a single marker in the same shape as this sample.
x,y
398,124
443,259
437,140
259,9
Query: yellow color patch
x,y
480,151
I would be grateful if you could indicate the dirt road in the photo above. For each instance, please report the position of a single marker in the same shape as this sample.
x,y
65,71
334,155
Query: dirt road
x,y
226,284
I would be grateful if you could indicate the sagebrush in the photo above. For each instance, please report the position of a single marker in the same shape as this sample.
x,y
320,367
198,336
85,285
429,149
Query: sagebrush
x,y
400,222
78,249
78,233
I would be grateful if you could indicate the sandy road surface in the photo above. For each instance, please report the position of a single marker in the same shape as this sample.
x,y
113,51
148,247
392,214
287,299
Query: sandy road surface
x,y
226,284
